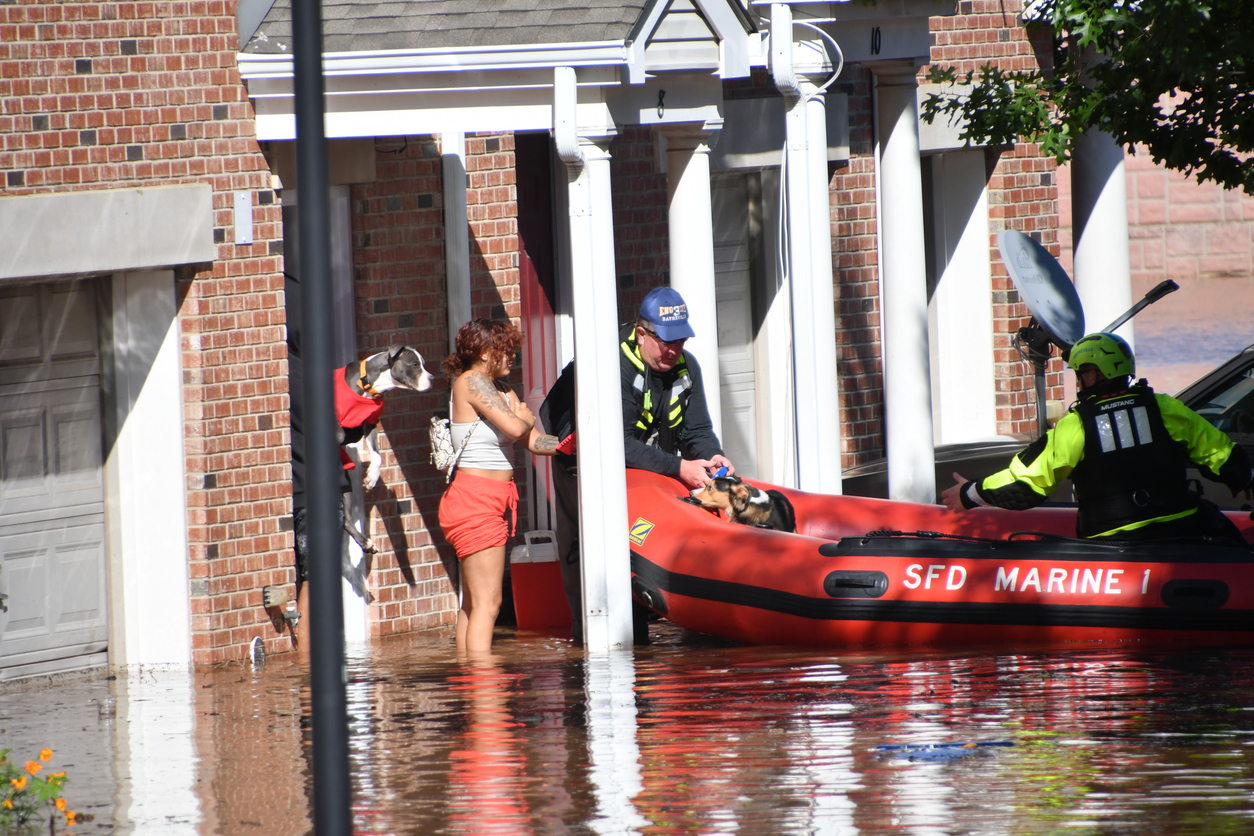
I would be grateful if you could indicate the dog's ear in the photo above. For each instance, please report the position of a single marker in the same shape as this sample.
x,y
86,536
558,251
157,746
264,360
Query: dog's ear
x,y
740,490
394,351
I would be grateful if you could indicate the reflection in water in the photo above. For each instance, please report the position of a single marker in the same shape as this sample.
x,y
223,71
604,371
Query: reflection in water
x,y
685,736
486,769
613,751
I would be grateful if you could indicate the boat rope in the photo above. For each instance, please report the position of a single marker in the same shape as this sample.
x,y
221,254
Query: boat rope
x,y
928,535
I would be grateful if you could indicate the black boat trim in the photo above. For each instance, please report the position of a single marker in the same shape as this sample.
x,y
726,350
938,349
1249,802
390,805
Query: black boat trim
x,y
937,612
1062,549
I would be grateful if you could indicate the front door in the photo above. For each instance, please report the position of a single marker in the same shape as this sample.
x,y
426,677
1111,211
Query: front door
x,y
733,295
52,552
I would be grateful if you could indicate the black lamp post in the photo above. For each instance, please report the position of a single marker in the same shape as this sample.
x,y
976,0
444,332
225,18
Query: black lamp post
x,y
332,800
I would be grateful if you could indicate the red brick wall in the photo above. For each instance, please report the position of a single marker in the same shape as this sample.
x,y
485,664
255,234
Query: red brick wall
x,y
1022,187
398,253
855,267
641,239
1179,229
116,95
398,262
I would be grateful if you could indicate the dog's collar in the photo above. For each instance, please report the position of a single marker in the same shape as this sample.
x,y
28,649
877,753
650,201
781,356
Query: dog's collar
x,y
365,384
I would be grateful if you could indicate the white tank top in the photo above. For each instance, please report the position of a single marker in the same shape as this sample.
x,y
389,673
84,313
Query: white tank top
x,y
488,448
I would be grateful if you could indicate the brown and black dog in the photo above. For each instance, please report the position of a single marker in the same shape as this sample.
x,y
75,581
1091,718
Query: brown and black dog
x,y
747,505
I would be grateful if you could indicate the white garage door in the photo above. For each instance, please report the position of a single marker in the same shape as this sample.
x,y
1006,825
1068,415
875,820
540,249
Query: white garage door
x,y
52,553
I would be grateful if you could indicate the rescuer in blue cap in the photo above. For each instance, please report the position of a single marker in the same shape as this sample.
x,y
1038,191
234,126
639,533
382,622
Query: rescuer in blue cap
x,y
666,423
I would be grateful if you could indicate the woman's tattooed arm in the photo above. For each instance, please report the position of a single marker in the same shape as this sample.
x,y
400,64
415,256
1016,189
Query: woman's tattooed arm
x,y
485,392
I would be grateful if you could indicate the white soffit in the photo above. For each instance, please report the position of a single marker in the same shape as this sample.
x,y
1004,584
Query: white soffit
x,y
399,104
105,231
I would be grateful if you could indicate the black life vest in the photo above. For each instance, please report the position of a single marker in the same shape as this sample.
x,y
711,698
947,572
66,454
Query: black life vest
x,y
658,422
1132,470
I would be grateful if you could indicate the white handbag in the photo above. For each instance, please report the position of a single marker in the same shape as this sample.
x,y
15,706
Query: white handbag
x,y
442,454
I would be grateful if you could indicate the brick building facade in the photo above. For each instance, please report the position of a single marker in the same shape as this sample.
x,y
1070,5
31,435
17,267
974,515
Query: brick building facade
x,y
120,96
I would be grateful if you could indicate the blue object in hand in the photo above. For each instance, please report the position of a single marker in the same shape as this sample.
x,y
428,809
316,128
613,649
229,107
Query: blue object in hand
x,y
722,471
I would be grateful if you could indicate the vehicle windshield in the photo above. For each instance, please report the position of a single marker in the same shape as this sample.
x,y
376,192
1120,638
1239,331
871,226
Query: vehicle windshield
x,y
1231,407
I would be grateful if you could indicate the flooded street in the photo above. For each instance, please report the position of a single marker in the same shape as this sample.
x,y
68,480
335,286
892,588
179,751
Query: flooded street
x,y
684,736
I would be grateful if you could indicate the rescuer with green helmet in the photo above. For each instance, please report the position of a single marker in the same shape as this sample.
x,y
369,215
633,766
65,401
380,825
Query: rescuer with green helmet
x,y
1126,450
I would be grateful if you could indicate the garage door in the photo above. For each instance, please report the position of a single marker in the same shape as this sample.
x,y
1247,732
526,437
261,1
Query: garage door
x,y
52,552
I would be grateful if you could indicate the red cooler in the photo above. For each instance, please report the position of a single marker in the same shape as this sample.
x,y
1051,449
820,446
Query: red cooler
x,y
536,577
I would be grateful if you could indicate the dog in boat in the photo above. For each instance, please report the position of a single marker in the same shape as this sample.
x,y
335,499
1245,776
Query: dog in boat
x,y
400,367
747,505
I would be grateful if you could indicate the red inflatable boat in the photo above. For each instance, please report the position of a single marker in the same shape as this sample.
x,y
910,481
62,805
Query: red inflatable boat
x,y
870,572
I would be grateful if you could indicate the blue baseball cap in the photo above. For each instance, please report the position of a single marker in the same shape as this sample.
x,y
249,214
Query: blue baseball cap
x,y
667,312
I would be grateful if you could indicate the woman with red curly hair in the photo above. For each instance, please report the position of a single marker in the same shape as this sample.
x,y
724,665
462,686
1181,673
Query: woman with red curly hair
x,y
489,419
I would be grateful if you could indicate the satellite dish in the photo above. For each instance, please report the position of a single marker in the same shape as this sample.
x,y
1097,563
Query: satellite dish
x,y
1044,287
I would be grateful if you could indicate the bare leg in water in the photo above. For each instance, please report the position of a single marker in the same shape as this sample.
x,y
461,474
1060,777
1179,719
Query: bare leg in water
x,y
482,575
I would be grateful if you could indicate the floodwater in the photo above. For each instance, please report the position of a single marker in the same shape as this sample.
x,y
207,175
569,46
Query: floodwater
x,y
688,735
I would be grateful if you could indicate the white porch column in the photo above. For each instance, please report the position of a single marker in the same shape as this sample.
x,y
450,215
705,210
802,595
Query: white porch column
x,y
903,275
809,269
456,232
691,227
814,306
605,563
1099,209
604,555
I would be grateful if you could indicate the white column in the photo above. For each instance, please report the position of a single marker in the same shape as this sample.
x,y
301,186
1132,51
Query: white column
x,y
456,232
691,227
1103,271
963,388
604,556
809,268
903,274
814,312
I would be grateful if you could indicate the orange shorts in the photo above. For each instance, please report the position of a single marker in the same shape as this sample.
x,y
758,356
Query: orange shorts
x,y
472,513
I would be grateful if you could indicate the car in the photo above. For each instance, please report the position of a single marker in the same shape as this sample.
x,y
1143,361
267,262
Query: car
x,y
1223,396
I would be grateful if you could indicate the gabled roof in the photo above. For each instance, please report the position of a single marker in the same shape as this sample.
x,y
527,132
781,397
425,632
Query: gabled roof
x,y
377,25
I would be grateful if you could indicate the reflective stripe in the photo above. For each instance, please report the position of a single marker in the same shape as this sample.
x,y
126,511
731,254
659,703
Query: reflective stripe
x,y
1123,424
1105,433
1140,416
632,352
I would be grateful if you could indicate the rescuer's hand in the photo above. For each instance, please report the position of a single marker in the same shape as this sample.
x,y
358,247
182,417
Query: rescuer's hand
x,y
952,496
695,473
717,462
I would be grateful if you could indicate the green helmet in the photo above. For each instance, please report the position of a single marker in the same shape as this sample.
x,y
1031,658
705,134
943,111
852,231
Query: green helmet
x,y
1110,353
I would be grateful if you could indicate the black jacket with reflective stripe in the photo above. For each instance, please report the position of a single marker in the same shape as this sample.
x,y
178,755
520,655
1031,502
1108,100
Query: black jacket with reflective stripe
x,y
688,434
658,438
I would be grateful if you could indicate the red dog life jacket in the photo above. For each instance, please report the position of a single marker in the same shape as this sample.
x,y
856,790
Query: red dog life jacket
x,y
352,410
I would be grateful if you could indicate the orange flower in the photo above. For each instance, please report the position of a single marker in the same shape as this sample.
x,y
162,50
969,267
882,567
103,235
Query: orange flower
x,y
8,805
60,774
60,802
69,817
45,755
18,783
